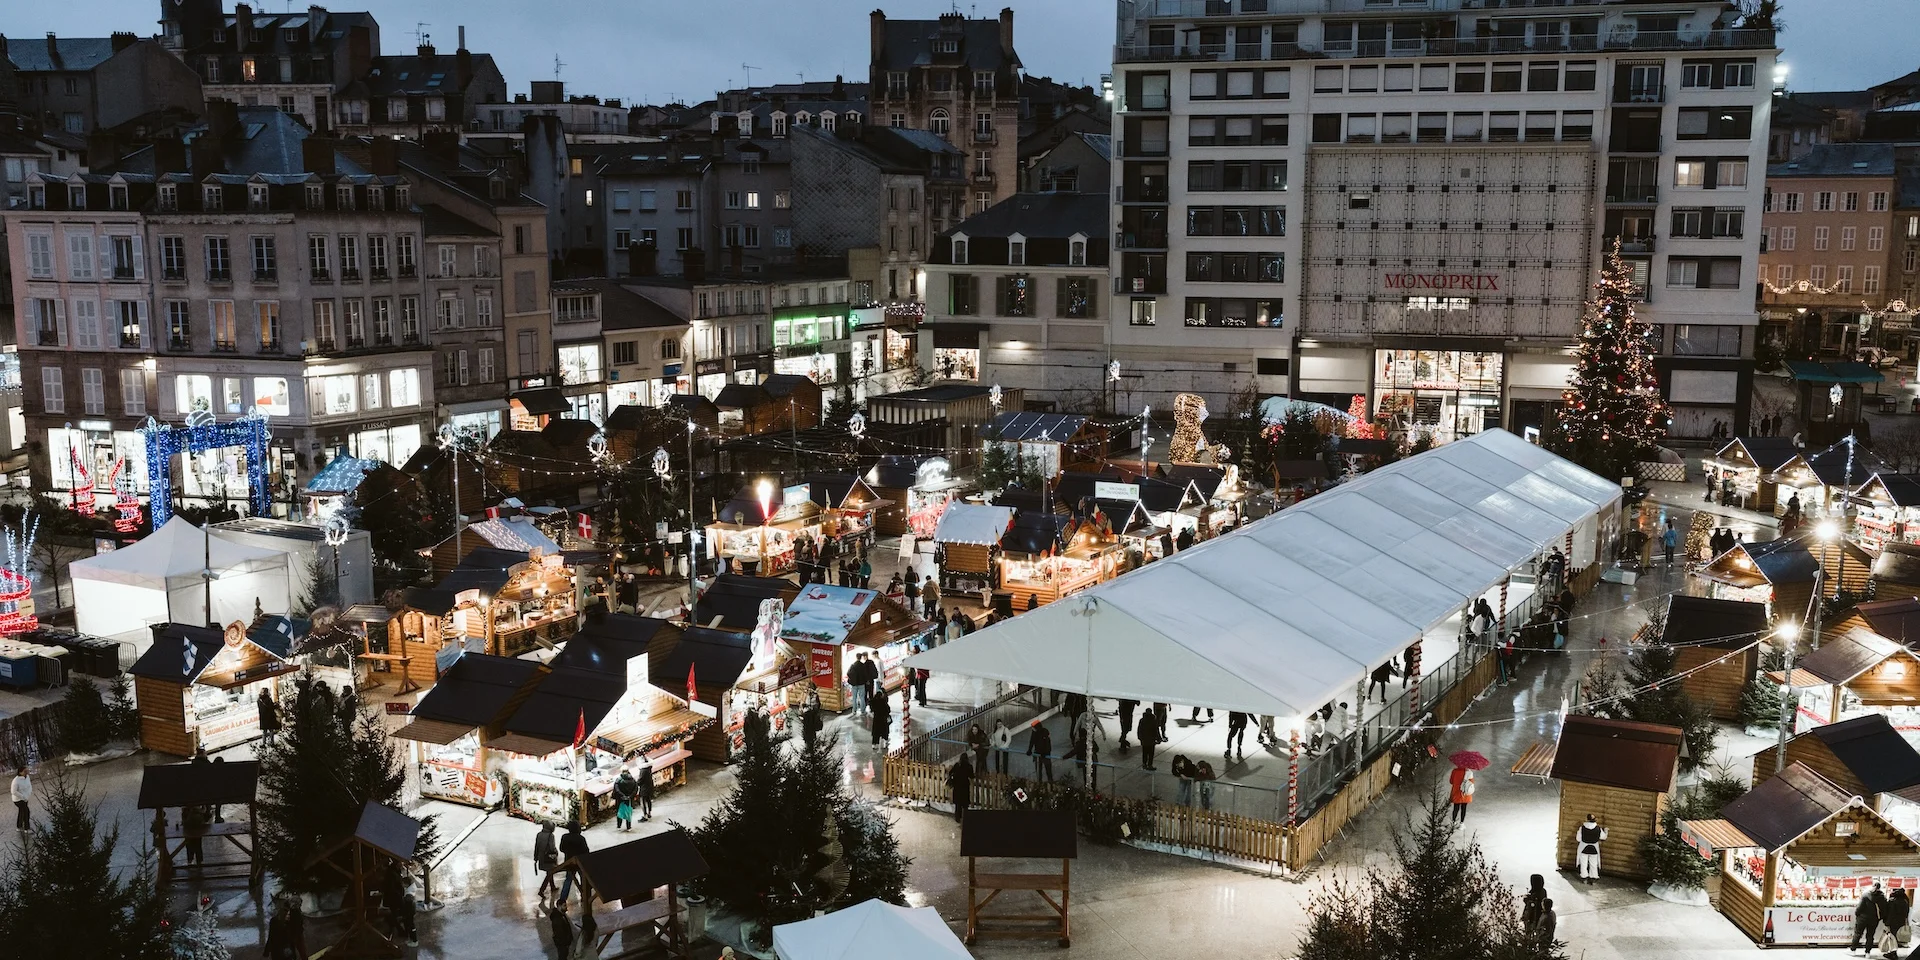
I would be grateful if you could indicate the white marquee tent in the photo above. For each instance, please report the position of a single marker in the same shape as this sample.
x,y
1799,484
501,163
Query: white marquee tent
x,y
160,578
870,929
1293,610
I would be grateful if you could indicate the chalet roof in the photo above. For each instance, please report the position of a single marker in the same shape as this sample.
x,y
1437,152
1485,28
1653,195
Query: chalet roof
x,y
1872,750
1617,753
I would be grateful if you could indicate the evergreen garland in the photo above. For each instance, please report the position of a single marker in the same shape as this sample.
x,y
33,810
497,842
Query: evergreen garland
x,y
1613,412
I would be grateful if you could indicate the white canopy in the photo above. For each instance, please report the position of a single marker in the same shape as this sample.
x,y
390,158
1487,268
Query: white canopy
x,y
973,523
1285,613
870,929
160,578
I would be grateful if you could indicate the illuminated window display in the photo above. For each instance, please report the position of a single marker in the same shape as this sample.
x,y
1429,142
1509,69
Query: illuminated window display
x,y
1450,393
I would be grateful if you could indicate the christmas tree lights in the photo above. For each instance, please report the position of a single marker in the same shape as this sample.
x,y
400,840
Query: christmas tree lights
x,y
1613,413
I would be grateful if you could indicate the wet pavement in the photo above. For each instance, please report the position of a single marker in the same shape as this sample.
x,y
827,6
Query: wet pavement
x,y
1127,903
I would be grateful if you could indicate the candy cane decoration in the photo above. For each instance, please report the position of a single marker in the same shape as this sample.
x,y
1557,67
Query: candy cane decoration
x,y
125,499
1504,583
1293,773
82,486
906,709
1413,672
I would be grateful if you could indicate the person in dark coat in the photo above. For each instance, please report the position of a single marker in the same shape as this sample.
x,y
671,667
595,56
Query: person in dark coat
x,y
1149,732
573,846
960,785
546,856
1236,733
1533,903
1380,677
644,780
881,714
1040,748
861,676
269,718
562,931
810,720
625,789
977,739
1126,720
1893,916
1549,921
287,931
1866,917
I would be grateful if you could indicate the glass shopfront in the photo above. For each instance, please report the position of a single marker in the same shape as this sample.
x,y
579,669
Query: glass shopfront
x,y
956,363
1448,393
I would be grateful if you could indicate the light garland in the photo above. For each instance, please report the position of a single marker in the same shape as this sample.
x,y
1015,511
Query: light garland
x,y
165,441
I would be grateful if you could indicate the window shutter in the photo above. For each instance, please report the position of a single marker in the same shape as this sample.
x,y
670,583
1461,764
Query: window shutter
x,y
103,249
146,337
139,262
60,320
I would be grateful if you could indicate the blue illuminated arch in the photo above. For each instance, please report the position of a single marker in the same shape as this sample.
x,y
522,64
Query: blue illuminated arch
x,y
166,442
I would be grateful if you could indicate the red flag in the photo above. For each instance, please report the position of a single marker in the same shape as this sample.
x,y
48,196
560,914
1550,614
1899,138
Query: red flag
x,y
586,526
580,729
691,695
493,513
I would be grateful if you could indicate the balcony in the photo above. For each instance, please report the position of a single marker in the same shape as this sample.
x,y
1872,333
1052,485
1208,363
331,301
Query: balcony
x,y
1635,143
379,275
1635,243
131,341
173,276
225,346
1126,285
324,345
1634,194
356,343
219,276
273,346
349,275
408,271
1650,93
1723,39
1140,240
180,344
123,271
983,179
985,136
410,339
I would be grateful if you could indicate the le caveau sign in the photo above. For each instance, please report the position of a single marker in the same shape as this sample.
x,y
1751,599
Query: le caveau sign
x,y
1440,281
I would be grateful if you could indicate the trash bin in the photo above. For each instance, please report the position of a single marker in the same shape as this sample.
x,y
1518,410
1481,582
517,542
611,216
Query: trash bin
x,y
696,916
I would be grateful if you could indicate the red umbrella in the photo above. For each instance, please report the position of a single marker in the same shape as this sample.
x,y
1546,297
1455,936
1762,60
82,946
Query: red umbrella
x,y
1471,760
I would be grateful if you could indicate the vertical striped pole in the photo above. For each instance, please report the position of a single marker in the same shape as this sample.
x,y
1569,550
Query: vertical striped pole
x,y
906,709
1504,583
1413,672
1567,573
1293,773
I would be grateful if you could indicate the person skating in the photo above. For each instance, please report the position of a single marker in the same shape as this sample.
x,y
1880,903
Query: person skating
x,y
960,787
1149,733
1462,780
1236,733
1587,838
1040,748
1268,735
1866,918
625,790
1380,677
1126,721
1090,735
546,857
1002,745
1195,718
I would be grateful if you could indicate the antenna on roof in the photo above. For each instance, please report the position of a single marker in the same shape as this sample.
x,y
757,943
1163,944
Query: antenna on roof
x,y
420,33
748,72
557,65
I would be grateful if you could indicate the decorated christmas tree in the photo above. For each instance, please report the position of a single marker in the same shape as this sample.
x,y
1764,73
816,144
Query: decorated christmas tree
x,y
1613,411
199,937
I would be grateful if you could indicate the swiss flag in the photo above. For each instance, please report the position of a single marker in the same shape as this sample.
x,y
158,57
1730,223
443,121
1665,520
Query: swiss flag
x,y
585,527
493,513
580,728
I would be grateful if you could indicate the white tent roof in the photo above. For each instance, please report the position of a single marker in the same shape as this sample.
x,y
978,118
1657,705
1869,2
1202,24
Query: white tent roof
x,y
870,929
1284,613
973,523
177,549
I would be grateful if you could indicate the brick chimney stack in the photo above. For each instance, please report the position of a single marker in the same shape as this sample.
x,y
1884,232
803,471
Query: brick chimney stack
x,y
1006,31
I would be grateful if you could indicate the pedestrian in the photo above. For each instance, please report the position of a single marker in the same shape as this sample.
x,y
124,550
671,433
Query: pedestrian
x,y
1483,614
1587,838
1893,920
1669,540
960,786
1149,733
1126,721
644,779
880,714
573,846
1002,745
1236,732
286,930
1184,773
1713,481
1549,921
1462,781
1091,735
1503,659
269,718
911,590
862,675
562,931
1196,716
22,792
1033,601
1533,903
402,909
1040,748
1317,732
977,740
930,596
920,676
193,823
546,857
625,790
866,573
956,625
1379,678
1866,918
810,719
1268,735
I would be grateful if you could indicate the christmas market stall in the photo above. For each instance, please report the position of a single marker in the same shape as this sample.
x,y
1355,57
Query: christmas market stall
x,y
1796,853
1864,756
449,728
1751,463
515,534
1778,573
1896,571
969,533
181,786
1857,673
582,725
1092,551
917,488
849,504
727,677
1824,479
765,522
1060,441
510,601
1623,775
826,621
164,578
1025,547
1716,646
733,602
200,687
1889,511
1896,618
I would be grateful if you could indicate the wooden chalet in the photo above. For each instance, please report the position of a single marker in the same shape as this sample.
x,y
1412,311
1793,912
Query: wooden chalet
x,y
1061,441
1864,756
1620,772
199,686
1714,642
1751,462
961,409
1860,672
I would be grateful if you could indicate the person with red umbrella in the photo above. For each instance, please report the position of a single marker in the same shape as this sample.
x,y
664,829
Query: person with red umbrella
x,y
1465,762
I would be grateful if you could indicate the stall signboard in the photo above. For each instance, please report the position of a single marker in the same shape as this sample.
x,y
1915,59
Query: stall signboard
x,y
793,670
1808,925
398,708
820,656
608,746
824,614
1106,490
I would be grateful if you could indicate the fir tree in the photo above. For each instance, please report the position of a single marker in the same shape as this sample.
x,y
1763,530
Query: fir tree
x,y
62,898
85,723
1760,699
1613,412
1658,697
1437,900
766,841
199,937
123,718
326,764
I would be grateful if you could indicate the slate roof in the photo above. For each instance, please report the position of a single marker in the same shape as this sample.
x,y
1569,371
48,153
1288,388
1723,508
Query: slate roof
x,y
1035,427
31,55
1873,750
413,73
620,308
441,222
906,44
1839,160
1041,215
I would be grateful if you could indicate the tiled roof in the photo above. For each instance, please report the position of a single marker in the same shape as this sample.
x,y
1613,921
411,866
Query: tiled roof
x,y
67,53
1839,160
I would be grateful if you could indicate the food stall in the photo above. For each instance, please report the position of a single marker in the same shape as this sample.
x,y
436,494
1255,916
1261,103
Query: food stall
x,y
448,729
1796,853
1033,537
1778,573
1888,511
1752,463
1092,552
746,528
1856,673
1622,772
1864,756
200,687
497,601
824,621
721,665
849,504
581,726
969,532
916,490
1714,648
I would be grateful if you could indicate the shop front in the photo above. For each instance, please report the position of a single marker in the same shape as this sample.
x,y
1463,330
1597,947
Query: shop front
x,y
832,625
849,504
1855,674
1752,464
762,537
710,377
198,687
1447,394
1796,853
448,728
1888,511
1778,573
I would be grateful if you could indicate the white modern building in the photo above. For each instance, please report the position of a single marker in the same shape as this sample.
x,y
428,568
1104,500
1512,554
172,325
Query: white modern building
x,y
1409,199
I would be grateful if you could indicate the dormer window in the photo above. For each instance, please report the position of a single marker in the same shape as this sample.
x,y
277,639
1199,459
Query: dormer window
x,y
1077,250
803,118
169,196
779,124
256,196
826,120
1017,251
853,117
117,196
745,121
212,197
960,248
402,197
343,196
947,46
77,196
316,196
376,199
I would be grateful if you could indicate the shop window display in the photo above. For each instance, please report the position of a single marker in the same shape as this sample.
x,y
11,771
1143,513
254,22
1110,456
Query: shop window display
x,y
1450,393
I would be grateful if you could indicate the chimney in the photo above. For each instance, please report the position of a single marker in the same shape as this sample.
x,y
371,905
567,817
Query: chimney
x,y
462,67
463,37
443,146
242,25
426,49
360,52
316,156
878,19
53,50
316,20
121,41
169,156
643,259
839,87
1006,31
383,157
206,160
223,120
102,150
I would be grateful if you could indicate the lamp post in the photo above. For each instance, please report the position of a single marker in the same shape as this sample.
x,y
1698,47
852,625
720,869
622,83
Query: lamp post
x,y
693,537
764,491
1791,632
1826,532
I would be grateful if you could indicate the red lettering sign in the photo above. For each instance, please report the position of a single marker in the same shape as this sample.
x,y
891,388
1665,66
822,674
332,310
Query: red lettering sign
x,y
1440,281
821,656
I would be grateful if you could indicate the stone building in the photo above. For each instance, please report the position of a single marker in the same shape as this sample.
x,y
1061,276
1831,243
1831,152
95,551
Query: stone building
x,y
960,79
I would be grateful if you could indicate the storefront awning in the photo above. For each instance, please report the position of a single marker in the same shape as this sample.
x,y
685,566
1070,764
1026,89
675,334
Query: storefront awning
x,y
1711,835
434,731
541,401
1812,371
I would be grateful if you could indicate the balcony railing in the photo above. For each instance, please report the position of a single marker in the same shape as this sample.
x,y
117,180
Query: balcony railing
x,y
266,276
123,271
350,274
1140,239
984,179
225,346
1125,285
984,136
1723,39
1633,194
49,338
1649,93
323,345
1640,243
379,274
410,339
179,343
130,342
173,276
219,276
409,270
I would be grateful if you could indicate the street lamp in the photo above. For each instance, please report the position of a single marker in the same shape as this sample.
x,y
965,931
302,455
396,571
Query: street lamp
x,y
693,536
764,491
1828,532
1790,632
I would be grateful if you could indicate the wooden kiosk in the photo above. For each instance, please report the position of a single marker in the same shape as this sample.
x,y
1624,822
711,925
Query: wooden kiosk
x,y
1622,773
824,621
633,875
1713,641
1022,834
200,687
1795,854
383,835
177,786
1858,673
969,533
1778,573
1752,462
451,725
1864,756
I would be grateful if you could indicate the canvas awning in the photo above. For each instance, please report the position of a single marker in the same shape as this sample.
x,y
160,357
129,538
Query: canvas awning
x,y
1812,371
870,929
1288,612
973,523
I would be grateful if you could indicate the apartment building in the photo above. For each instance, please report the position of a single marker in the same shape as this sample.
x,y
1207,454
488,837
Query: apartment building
x,y
78,85
1411,204
1825,255
297,61
407,95
258,269
652,209
615,348
958,78
885,189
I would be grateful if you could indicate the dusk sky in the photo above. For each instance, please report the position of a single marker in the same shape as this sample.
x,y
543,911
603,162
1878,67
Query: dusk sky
x,y
651,50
